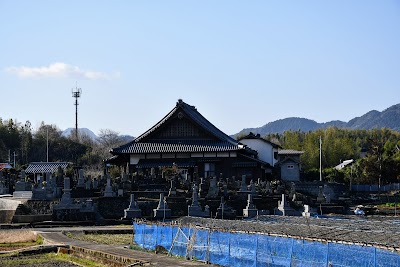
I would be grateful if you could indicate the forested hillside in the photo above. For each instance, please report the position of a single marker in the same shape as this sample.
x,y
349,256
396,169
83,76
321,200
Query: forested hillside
x,y
30,145
381,148
389,118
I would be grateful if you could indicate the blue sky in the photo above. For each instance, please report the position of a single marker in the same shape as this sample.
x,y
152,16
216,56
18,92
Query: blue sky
x,y
241,63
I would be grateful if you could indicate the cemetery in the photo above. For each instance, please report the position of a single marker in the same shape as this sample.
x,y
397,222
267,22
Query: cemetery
x,y
182,166
184,171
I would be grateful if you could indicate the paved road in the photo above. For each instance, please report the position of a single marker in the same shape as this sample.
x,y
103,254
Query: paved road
x,y
55,236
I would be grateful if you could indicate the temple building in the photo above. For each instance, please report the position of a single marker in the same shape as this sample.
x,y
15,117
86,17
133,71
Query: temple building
x,y
188,142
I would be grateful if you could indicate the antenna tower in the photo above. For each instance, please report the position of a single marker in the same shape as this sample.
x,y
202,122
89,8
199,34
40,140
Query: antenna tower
x,y
76,93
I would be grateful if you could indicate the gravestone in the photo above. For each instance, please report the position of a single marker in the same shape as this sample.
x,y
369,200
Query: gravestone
x,y
133,210
320,197
172,189
162,211
327,198
66,199
253,189
225,188
283,208
95,183
224,211
307,211
23,175
243,185
195,209
81,179
88,184
250,210
39,180
22,189
213,189
108,191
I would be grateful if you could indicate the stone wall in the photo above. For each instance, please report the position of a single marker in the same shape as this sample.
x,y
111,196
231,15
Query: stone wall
x,y
112,207
7,209
6,216
31,218
312,188
36,207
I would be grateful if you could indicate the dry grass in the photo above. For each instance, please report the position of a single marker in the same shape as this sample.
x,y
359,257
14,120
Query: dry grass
x,y
107,239
17,236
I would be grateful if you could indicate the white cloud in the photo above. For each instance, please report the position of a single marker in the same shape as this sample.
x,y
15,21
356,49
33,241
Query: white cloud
x,y
60,69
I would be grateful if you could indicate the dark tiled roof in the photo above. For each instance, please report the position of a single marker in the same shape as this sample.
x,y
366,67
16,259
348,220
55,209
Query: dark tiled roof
x,y
289,152
46,167
193,114
254,159
146,163
257,136
133,147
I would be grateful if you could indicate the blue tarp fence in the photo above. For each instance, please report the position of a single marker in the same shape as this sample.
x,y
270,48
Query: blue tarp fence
x,y
255,250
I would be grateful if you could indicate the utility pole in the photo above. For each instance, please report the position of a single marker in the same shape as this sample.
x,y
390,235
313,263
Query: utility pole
x,y
47,143
14,159
320,159
76,94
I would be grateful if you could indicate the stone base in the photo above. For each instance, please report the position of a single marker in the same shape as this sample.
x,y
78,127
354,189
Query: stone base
x,y
108,194
196,211
228,214
130,214
250,213
23,194
160,214
285,212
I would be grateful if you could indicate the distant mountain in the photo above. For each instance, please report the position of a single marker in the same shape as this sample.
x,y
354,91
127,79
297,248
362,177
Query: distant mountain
x,y
127,138
93,136
389,118
81,131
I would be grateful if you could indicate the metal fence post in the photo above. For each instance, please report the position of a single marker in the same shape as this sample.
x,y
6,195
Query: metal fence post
x,y
291,253
256,248
327,254
156,235
229,248
208,246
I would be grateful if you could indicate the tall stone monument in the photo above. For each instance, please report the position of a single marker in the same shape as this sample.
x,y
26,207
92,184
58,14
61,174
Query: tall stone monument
x,y
250,210
81,179
195,209
283,208
133,210
108,191
162,211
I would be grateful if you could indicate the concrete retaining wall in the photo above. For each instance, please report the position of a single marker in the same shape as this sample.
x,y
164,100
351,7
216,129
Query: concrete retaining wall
x,y
7,209
31,218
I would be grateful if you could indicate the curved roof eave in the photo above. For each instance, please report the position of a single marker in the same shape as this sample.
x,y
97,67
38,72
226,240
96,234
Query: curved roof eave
x,y
192,112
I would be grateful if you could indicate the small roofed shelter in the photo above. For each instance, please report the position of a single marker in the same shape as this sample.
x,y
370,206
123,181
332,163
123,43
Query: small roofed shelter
x,y
45,167
187,141
5,166
290,164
